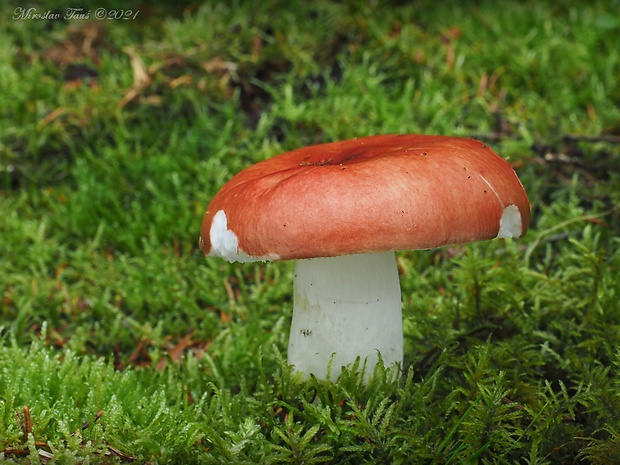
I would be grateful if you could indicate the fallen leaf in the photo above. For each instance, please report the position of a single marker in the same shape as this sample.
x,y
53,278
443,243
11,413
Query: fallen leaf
x,y
176,352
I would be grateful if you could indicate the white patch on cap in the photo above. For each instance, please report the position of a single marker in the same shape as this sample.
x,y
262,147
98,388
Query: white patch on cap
x,y
510,223
225,244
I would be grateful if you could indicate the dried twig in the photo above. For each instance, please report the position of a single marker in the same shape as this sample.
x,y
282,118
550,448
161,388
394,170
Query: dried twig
x,y
609,139
27,423
553,229
499,136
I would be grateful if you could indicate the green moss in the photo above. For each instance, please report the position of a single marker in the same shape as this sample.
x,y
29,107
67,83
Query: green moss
x,y
121,343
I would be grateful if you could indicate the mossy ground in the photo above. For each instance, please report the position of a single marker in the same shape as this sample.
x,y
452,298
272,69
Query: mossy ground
x,y
121,343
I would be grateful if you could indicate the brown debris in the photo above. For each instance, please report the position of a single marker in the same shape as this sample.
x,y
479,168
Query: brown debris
x,y
46,452
175,353
27,423
141,77
82,43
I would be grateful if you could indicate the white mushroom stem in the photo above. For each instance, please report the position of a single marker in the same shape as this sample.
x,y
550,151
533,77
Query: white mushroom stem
x,y
348,307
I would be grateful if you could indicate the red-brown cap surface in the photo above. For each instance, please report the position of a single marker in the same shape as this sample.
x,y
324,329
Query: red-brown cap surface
x,y
371,194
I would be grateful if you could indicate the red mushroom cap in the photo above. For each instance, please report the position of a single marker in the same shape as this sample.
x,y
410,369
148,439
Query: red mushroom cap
x,y
371,194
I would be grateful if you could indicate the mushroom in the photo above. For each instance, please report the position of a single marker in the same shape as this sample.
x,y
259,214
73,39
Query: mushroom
x,y
341,210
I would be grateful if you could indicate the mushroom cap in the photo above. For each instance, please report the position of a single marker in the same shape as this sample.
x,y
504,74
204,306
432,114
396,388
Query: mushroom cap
x,y
364,195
